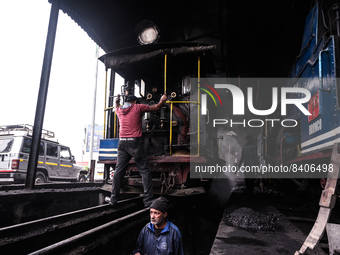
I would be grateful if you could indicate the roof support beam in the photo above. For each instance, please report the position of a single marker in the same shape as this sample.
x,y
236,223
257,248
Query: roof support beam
x,y
42,96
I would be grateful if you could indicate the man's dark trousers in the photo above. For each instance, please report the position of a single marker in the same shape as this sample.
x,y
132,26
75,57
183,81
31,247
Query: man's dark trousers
x,y
132,148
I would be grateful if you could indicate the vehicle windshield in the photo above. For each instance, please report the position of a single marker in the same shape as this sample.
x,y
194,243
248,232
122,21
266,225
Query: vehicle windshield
x,y
6,145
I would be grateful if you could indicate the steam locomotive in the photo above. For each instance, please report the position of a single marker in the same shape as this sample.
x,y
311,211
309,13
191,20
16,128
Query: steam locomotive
x,y
177,134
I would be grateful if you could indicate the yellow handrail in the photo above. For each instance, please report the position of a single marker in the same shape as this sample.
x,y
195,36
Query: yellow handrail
x,y
112,107
171,109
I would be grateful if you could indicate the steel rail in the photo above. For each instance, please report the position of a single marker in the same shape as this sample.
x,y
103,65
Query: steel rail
x,y
18,228
72,239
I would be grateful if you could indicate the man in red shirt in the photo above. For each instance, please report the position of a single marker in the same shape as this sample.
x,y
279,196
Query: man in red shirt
x,y
130,145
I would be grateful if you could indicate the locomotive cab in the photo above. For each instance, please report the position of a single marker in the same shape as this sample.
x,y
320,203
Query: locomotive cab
x,y
170,139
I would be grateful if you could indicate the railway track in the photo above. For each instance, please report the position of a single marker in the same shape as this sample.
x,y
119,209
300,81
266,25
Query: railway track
x,y
77,232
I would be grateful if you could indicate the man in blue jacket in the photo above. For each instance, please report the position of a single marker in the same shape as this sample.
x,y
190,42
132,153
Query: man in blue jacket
x,y
160,236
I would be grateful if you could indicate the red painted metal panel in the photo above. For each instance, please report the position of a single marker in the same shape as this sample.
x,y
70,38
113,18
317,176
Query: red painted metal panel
x,y
314,106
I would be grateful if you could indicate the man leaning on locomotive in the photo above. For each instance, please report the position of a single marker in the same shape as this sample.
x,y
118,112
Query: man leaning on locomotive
x,y
131,146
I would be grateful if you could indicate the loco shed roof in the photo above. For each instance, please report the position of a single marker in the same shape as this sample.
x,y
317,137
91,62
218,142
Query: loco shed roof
x,y
253,38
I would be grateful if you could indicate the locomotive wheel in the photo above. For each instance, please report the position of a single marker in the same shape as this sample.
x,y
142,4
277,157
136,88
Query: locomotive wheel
x,y
323,183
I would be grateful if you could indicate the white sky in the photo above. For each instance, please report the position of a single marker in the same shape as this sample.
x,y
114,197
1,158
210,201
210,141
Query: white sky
x,y
23,26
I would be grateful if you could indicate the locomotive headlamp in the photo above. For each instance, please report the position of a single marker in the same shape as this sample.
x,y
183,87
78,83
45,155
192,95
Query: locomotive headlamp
x,y
147,32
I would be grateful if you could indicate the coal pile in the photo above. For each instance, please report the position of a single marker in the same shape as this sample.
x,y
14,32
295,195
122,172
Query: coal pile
x,y
247,218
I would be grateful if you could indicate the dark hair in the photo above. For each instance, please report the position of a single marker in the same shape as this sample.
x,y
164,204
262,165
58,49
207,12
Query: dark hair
x,y
131,98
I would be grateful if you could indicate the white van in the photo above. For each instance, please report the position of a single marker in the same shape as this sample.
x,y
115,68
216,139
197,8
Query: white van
x,y
55,162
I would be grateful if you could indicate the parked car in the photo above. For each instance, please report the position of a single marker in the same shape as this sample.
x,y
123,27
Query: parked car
x,y
55,163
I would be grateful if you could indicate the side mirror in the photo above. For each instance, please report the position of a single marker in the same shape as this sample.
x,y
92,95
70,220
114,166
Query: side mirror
x,y
73,159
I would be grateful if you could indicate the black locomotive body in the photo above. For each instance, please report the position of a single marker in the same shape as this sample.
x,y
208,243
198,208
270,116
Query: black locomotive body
x,y
176,135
